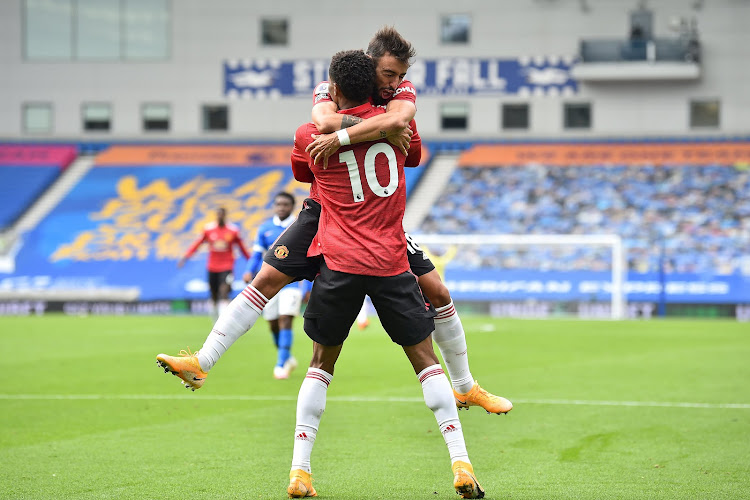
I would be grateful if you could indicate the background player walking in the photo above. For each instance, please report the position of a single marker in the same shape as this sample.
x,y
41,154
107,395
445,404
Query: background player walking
x,y
221,237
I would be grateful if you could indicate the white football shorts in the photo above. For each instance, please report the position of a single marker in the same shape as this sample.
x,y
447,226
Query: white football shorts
x,y
286,303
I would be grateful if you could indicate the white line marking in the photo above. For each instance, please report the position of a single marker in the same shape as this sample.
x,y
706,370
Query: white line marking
x,y
358,399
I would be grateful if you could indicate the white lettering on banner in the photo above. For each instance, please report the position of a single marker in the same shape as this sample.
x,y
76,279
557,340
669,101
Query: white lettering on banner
x,y
302,76
476,77
442,72
557,286
589,287
495,81
22,308
417,73
520,310
460,74
590,310
512,286
308,73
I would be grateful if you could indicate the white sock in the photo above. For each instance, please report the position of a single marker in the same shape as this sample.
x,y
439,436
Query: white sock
x,y
223,304
238,317
311,403
439,398
362,316
451,340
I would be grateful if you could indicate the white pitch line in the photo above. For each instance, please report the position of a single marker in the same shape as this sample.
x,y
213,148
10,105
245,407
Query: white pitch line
x,y
358,399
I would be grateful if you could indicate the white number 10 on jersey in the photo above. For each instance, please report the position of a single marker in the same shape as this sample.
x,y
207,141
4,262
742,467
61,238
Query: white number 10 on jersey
x,y
372,179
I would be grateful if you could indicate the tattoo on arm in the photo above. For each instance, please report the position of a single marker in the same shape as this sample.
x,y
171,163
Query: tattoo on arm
x,y
348,121
383,134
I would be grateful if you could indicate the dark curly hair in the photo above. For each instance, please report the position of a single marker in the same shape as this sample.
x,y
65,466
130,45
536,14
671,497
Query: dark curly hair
x,y
353,72
387,39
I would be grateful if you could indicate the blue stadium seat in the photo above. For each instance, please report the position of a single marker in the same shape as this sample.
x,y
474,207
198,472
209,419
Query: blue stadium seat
x,y
20,186
700,214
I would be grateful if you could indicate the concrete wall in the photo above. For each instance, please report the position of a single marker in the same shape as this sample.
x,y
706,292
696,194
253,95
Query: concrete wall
x,y
204,34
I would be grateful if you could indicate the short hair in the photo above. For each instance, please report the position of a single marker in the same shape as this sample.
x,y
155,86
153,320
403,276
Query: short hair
x,y
284,194
353,72
387,39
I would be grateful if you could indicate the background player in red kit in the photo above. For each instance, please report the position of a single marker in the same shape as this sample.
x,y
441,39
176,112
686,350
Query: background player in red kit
x,y
221,237
361,240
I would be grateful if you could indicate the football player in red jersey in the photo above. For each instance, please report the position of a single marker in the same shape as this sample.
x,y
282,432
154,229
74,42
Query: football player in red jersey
x,y
362,246
391,54
221,237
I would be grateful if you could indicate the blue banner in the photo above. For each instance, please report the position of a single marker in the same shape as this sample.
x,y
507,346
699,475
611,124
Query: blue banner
x,y
121,230
497,285
523,76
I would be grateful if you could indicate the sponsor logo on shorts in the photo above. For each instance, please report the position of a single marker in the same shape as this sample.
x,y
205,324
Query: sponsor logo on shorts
x,y
281,252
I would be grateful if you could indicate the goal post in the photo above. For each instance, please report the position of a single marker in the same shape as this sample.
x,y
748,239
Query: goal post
x,y
612,242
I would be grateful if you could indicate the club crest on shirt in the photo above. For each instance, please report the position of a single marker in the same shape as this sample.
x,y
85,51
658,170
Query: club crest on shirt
x,y
281,252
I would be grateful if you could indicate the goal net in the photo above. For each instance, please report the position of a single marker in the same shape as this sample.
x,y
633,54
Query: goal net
x,y
533,275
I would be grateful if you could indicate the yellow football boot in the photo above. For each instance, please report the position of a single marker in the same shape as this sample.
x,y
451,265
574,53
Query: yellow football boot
x,y
300,485
185,366
465,482
479,397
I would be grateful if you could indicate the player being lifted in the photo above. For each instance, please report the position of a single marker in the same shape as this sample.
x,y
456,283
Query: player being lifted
x,y
391,54
221,237
361,240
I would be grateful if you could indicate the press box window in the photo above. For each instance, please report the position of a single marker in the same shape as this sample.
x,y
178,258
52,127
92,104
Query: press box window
x,y
37,117
704,113
215,117
274,31
454,116
515,116
577,115
97,117
455,29
156,116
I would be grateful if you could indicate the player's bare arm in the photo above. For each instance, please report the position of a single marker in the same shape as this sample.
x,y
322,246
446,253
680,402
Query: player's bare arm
x,y
393,125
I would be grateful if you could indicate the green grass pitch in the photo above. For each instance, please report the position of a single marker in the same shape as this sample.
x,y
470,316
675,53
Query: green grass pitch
x,y
86,413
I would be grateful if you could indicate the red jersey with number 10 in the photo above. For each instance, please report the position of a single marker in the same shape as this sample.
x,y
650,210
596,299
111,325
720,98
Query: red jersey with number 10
x,y
363,197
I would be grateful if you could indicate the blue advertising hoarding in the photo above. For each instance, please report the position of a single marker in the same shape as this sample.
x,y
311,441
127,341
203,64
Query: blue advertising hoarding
x,y
523,76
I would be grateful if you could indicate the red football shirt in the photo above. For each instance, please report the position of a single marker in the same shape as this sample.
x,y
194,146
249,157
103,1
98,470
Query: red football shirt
x,y
404,92
363,197
221,241
303,173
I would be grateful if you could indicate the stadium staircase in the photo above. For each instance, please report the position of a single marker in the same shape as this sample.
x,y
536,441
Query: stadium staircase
x,y
433,182
11,239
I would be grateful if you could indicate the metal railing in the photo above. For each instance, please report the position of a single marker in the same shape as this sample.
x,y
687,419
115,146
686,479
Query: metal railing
x,y
652,50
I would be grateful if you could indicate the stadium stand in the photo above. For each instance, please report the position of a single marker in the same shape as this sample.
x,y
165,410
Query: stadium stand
x,y
25,172
120,230
701,214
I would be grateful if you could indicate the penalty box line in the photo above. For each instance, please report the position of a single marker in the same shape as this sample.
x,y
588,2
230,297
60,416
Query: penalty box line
x,y
357,399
